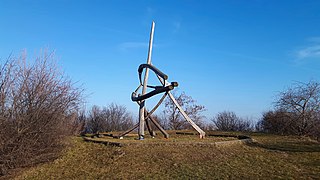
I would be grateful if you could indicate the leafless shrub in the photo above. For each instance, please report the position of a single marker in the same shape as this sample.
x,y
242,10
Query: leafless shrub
x,y
229,121
162,119
118,118
226,121
36,103
277,122
111,118
245,125
96,121
80,122
77,122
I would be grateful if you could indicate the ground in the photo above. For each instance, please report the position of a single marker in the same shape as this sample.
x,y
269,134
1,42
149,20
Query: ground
x,y
269,157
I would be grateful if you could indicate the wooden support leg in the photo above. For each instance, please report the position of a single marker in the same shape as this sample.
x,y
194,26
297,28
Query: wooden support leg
x,y
151,132
141,120
186,117
129,130
166,135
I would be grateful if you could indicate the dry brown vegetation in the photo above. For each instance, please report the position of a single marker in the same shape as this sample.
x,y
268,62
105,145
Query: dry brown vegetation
x,y
113,117
270,157
38,106
297,111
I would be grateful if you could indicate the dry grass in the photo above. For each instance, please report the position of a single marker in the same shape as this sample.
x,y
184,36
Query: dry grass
x,y
271,157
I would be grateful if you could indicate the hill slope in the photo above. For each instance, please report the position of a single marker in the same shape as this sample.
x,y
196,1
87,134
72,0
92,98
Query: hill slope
x,y
269,158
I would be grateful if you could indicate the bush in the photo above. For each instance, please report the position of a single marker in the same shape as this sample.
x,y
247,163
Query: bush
x,y
37,103
110,118
277,122
301,102
297,111
229,121
286,123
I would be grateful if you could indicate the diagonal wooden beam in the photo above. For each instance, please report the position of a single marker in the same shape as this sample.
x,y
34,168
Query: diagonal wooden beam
x,y
184,114
186,117
148,115
128,131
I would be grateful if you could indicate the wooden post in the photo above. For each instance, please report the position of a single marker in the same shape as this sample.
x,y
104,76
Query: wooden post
x,y
144,89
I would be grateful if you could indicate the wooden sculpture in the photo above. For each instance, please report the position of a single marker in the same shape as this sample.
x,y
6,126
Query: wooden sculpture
x,y
165,87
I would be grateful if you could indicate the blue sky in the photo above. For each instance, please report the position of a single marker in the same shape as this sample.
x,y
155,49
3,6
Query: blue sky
x,y
228,55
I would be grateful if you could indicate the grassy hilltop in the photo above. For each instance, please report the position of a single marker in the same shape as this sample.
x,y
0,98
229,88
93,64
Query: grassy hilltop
x,y
269,157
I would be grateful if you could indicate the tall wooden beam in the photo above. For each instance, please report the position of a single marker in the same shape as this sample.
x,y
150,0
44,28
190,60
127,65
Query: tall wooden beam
x,y
144,88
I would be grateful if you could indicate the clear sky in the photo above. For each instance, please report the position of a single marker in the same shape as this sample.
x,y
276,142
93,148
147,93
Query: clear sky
x,y
228,55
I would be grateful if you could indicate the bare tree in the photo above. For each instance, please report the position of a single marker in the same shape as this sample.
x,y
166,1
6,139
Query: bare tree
x,y
162,119
245,124
117,118
174,119
111,118
36,103
229,121
226,121
302,101
96,121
